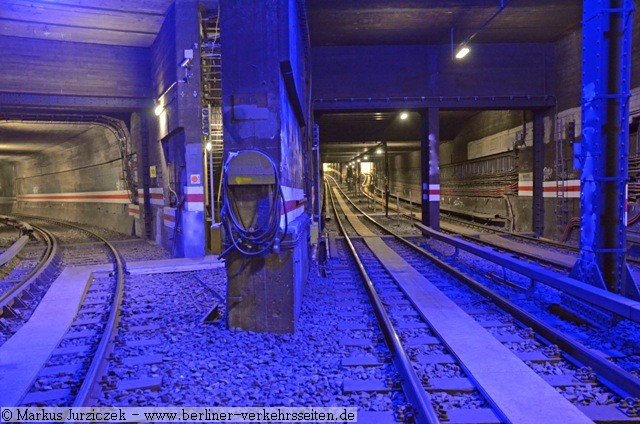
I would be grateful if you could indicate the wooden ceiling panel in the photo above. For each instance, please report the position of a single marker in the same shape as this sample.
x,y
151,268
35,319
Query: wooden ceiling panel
x,y
80,35
115,22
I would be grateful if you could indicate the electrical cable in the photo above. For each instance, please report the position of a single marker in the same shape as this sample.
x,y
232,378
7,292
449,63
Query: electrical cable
x,y
253,241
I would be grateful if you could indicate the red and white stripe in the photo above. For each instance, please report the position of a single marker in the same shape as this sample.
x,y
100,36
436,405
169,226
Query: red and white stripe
x,y
169,217
134,210
115,196
294,202
194,198
431,192
525,184
570,189
156,196
7,200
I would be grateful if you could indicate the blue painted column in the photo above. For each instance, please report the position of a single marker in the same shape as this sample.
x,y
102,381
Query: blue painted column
x,y
606,71
430,168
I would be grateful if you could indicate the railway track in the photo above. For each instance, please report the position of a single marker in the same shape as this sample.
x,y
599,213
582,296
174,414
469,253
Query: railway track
x,y
25,279
547,353
71,373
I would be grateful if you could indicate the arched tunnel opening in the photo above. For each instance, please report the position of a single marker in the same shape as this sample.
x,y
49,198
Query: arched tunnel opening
x,y
79,168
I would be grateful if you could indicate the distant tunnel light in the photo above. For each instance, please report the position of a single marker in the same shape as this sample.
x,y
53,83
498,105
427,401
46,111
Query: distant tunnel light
x,y
462,52
158,110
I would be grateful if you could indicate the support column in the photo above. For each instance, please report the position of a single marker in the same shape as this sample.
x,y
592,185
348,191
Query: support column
x,y
606,51
265,90
538,173
189,181
430,168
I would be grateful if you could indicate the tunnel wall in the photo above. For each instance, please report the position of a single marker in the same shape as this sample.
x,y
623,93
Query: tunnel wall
x,y
83,183
65,68
7,181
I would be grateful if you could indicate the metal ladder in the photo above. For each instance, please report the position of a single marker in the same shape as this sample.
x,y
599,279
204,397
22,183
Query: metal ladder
x,y
211,57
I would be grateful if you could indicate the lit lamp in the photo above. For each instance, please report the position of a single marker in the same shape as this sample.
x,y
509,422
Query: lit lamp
x,y
462,51
158,109
404,115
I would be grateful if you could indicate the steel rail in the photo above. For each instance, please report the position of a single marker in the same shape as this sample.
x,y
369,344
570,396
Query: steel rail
x,y
98,360
411,384
617,378
51,256
12,251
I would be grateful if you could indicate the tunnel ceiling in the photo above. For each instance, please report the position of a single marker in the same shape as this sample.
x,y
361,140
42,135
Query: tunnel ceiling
x,y
116,22
345,135
331,22
384,22
21,140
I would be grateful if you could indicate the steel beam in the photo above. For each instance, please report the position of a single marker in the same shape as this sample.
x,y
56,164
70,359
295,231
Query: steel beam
x,y
430,164
46,101
442,102
606,70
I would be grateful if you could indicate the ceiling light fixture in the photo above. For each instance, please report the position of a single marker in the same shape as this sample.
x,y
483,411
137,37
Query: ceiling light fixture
x,y
366,157
463,48
379,151
462,51
404,115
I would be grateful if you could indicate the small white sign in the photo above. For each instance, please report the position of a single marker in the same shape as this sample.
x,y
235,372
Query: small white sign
x,y
195,178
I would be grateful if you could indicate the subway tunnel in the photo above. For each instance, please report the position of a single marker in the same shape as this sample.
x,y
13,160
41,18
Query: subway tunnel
x,y
405,211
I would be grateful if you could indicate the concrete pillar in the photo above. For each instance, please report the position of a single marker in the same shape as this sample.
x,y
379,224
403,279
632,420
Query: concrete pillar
x,y
264,89
430,164
189,180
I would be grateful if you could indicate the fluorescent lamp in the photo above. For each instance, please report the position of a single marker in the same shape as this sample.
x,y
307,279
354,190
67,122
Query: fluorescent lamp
x,y
462,52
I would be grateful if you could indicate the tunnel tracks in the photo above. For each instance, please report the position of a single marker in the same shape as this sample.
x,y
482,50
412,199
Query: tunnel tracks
x,y
536,350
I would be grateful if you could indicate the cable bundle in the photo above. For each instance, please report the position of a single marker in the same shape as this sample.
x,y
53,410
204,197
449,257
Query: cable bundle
x,y
253,240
